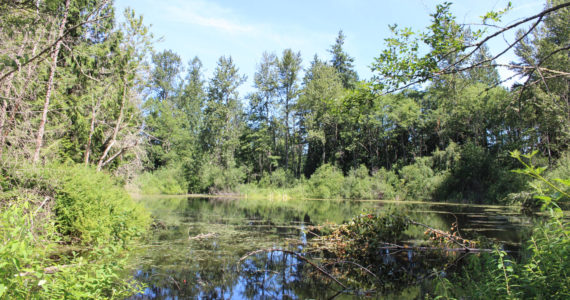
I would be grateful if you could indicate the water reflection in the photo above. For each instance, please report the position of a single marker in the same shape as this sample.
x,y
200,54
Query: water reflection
x,y
195,250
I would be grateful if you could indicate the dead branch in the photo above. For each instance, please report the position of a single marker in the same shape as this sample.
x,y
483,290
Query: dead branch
x,y
353,263
50,49
461,250
457,240
453,68
538,16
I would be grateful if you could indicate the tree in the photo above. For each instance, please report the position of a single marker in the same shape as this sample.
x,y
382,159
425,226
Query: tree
x,y
53,66
263,107
343,63
165,121
289,67
223,114
543,99
450,48
133,47
320,104
166,74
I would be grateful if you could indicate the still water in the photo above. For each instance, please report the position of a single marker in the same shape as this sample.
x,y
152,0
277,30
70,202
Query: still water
x,y
194,252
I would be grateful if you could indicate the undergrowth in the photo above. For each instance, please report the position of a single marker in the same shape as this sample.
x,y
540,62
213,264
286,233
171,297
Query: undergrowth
x,y
65,230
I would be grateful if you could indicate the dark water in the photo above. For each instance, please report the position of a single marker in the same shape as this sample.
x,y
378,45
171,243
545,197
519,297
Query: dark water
x,y
195,251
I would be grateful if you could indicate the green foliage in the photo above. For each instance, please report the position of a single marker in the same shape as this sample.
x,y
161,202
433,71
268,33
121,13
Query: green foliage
x,y
19,251
215,178
475,175
278,178
166,181
547,188
358,184
542,270
326,183
64,231
91,208
386,184
541,273
419,181
343,63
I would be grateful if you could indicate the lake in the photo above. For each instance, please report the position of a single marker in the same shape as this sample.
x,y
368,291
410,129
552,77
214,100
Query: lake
x,y
194,252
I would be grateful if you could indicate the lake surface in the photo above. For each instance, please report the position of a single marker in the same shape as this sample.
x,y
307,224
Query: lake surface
x,y
194,252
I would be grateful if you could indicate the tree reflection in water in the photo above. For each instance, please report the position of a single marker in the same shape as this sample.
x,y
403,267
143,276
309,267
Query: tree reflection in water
x,y
195,251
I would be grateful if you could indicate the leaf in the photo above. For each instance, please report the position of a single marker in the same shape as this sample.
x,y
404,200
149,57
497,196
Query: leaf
x,y
529,156
543,198
565,182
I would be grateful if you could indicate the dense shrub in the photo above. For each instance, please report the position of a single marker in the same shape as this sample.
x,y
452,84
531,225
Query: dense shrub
x,y
327,182
277,179
475,175
420,181
166,181
215,178
43,208
385,184
90,207
358,185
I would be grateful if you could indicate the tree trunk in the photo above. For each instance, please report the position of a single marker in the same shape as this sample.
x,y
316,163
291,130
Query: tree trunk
x,y
115,131
287,132
3,116
8,96
91,130
54,55
4,112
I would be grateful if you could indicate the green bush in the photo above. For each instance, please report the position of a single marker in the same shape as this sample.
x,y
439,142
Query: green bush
x,y
326,183
472,174
358,184
166,181
420,181
215,178
19,252
277,179
64,229
91,208
385,184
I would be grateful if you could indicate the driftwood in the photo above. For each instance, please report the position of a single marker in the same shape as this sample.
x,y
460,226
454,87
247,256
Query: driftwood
x,y
462,250
455,239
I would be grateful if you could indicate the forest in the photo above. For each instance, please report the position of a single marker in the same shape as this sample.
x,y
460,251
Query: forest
x,y
90,111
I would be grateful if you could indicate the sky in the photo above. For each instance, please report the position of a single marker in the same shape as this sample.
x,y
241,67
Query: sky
x,y
245,29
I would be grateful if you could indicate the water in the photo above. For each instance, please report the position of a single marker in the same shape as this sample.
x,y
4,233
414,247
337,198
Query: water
x,y
195,251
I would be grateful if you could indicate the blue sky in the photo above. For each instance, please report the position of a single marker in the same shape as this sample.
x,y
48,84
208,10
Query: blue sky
x,y
245,29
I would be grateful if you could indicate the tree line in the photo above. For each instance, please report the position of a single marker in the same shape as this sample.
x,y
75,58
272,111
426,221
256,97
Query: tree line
x,y
77,86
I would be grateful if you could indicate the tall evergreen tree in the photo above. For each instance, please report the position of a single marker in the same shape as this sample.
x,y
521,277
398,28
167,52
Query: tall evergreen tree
x,y
319,103
289,68
262,113
343,63
223,113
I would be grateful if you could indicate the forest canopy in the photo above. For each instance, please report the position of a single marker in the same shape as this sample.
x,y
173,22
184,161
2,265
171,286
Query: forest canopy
x,y
78,86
